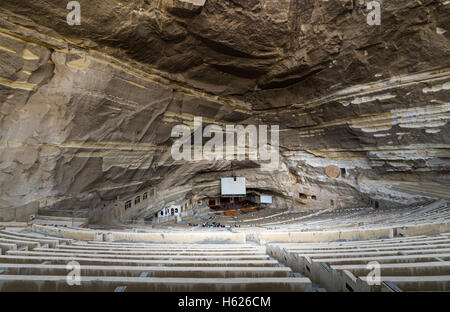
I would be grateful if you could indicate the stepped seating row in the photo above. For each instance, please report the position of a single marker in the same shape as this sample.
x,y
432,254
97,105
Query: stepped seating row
x,y
257,218
120,266
261,218
435,190
419,263
410,214
13,241
427,212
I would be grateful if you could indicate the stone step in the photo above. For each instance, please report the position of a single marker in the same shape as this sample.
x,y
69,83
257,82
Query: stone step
x,y
181,245
4,247
395,241
321,270
20,243
400,269
376,248
79,245
385,259
31,235
167,246
364,253
426,188
107,261
99,249
151,252
49,242
399,244
439,192
163,249
39,283
344,277
139,257
152,271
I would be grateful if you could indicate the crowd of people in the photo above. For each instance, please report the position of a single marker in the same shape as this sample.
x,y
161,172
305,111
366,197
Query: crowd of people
x,y
214,225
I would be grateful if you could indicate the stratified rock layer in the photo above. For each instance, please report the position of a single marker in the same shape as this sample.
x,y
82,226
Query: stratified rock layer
x,y
86,112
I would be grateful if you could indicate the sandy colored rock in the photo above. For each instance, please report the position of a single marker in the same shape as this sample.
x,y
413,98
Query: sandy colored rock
x,y
333,171
86,112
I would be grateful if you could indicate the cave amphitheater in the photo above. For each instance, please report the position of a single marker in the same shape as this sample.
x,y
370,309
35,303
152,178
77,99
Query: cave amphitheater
x,y
108,115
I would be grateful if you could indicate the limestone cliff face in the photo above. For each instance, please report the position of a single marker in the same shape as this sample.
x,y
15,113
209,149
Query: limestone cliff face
x,y
86,111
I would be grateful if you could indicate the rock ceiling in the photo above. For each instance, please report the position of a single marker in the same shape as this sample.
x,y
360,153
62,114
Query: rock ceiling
x,y
86,111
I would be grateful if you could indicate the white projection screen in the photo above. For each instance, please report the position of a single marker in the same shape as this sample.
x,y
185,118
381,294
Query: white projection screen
x,y
266,199
233,186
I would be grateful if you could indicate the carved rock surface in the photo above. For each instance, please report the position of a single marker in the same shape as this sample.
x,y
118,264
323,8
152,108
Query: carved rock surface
x,y
86,112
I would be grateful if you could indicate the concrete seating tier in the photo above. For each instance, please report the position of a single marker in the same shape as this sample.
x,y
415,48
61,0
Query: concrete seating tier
x,y
130,266
420,263
259,218
140,284
430,211
254,219
359,223
152,271
61,241
136,262
15,240
60,221
225,237
4,247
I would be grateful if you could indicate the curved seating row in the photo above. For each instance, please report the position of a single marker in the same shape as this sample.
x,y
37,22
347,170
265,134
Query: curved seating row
x,y
418,263
47,263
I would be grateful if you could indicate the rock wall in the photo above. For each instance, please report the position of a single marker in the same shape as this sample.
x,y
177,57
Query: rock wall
x,y
86,111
